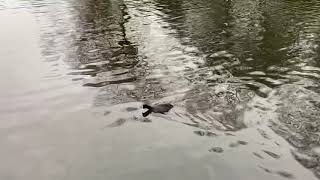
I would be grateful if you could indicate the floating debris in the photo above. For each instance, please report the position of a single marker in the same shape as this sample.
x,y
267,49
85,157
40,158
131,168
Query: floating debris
x,y
216,149
205,133
242,142
129,109
147,120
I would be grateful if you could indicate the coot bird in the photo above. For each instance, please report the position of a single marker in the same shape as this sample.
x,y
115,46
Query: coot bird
x,y
160,108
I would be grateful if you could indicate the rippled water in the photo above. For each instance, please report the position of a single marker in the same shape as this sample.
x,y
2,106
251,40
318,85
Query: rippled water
x,y
243,77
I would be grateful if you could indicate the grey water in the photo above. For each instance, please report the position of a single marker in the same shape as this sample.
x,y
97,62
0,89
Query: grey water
x,y
243,76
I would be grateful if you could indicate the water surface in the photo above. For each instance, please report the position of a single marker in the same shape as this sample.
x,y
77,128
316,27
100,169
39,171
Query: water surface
x,y
243,77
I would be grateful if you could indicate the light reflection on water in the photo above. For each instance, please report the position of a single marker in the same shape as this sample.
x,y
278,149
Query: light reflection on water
x,y
248,68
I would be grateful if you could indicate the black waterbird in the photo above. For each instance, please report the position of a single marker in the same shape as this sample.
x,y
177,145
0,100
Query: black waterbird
x,y
160,108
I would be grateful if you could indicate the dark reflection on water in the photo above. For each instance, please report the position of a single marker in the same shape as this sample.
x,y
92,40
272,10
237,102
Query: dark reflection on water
x,y
211,58
268,40
103,50
225,65
208,57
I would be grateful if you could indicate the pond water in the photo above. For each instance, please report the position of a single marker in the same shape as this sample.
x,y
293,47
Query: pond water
x,y
243,76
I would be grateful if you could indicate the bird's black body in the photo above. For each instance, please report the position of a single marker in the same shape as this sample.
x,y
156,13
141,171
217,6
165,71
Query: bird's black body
x,y
160,108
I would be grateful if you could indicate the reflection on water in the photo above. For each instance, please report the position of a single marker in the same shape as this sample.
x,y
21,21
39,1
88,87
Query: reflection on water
x,y
248,67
